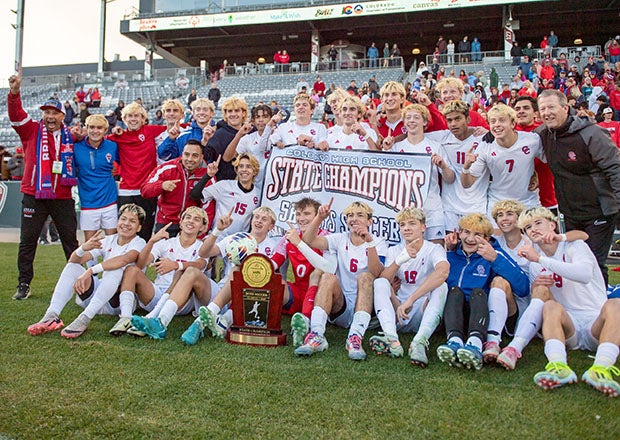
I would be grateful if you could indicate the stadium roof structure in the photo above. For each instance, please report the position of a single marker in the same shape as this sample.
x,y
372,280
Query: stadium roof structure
x,y
244,35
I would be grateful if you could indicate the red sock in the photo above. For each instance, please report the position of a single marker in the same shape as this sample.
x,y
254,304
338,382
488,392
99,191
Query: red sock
x,y
308,304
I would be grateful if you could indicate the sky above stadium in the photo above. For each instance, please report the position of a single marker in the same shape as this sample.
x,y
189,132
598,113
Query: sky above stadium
x,y
63,32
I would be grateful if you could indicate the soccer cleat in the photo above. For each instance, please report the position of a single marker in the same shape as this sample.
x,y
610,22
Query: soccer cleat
x,y
193,333
153,327
508,358
22,292
602,380
135,332
417,353
490,351
313,343
447,353
354,347
556,374
47,324
300,326
210,320
382,344
470,356
121,326
76,328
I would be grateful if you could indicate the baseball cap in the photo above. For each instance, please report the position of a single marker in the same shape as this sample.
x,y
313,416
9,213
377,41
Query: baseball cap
x,y
608,110
20,150
53,104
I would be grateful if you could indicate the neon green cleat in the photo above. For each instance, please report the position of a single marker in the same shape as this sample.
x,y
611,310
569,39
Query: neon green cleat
x,y
556,374
600,378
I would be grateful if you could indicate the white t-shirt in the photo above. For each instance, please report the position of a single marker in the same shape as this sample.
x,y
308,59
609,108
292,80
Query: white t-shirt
x,y
228,194
288,132
173,250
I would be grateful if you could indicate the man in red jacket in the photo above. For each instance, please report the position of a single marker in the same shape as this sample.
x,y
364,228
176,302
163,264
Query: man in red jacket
x,y
172,181
49,174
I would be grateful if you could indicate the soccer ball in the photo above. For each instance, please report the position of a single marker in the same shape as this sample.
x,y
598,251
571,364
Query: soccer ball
x,y
240,246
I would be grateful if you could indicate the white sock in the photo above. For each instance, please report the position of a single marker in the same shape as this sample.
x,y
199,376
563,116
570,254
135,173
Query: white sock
x,y
606,354
214,308
167,312
63,292
384,308
529,325
104,292
555,351
456,339
155,312
475,341
360,323
432,314
127,301
498,313
318,320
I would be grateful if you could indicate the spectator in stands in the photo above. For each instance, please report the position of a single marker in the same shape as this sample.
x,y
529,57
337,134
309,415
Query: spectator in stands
x,y
547,72
394,55
442,45
285,59
552,42
110,116
614,50
4,157
159,118
591,66
191,97
476,50
422,69
15,165
301,84
96,98
373,87
319,87
529,51
46,183
386,54
214,94
276,60
612,126
525,65
69,114
544,45
464,47
118,112
451,48
352,89
84,113
80,94
372,54
516,52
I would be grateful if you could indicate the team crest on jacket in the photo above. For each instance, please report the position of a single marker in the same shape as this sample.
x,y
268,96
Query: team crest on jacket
x,y
481,271
108,157
572,157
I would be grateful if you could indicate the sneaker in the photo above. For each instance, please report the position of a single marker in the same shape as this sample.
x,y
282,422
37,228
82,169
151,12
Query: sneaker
x,y
490,351
76,328
193,333
417,353
121,326
382,344
47,324
508,358
135,332
354,347
601,379
153,327
23,291
447,353
470,356
313,343
300,326
210,320
555,375
44,242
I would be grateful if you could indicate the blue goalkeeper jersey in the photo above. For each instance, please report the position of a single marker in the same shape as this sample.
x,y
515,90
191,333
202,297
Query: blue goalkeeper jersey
x,y
96,185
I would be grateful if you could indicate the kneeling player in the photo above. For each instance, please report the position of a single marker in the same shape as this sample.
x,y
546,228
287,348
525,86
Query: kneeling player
x,y
422,269
117,251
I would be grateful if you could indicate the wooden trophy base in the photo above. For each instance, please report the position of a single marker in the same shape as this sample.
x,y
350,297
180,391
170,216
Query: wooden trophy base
x,y
256,337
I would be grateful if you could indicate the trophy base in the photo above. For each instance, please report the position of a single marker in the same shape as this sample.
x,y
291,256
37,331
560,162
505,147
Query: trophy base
x,y
256,337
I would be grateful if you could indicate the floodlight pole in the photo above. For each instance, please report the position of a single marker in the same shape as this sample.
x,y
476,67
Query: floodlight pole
x,y
19,36
101,39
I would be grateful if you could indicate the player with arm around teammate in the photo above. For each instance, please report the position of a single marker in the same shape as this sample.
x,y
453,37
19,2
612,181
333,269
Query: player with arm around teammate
x,y
417,306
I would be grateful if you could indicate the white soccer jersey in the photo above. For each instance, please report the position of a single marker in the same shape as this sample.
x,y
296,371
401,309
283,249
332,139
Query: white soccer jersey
x,y
288,132
432,205
351,141
414,272
110,247
352,260
523,263
455,198
511,169
579,284
259,147
172,249
228,194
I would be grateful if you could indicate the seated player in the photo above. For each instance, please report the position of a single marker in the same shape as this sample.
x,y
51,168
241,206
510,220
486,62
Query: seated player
x,y
117,251
578,316
417,306
171,257
477,264
345,299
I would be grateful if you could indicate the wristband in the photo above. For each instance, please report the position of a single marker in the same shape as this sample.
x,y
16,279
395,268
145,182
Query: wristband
x,y
366,137
562,237
371,244
403,257
466,171
97,268
80,252
180,265
216,232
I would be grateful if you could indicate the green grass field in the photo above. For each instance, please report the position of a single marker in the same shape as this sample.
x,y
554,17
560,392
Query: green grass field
x,y
103,387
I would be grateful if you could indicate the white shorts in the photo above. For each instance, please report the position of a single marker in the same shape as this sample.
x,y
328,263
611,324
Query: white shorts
x,y
106,309
415,317
100,218
346,318
158,293
583,321
435,226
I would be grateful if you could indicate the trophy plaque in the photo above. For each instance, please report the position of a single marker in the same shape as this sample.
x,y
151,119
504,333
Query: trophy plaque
x,y
257,294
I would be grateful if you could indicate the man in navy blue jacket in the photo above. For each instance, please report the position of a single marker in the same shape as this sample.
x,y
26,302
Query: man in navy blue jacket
x,y
477,264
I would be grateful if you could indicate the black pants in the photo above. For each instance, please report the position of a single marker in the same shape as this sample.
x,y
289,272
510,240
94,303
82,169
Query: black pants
x,y
173,230
457,309
149,206
601,232
34,214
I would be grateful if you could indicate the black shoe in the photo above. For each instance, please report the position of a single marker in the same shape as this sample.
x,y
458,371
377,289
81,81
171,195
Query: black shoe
x,y
23,291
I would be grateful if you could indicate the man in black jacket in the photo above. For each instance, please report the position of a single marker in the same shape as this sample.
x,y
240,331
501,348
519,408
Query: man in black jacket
x,y
586,169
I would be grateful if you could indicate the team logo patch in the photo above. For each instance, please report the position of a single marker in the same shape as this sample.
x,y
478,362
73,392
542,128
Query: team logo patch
x,y
493,154
403,130
108,157
572,157
429,150
526,150
313,132
141,137
480,271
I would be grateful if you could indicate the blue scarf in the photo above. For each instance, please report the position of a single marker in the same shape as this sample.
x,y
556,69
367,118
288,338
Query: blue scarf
x,y
44,178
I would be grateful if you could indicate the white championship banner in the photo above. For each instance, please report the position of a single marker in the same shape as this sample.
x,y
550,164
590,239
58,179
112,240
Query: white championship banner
x,y
387,182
